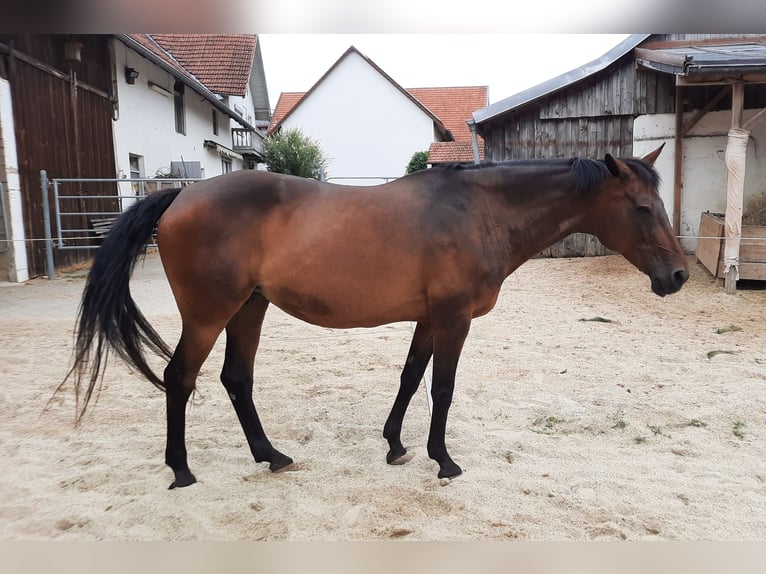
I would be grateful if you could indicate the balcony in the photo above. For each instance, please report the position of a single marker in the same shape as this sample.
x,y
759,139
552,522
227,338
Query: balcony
x,y
246,142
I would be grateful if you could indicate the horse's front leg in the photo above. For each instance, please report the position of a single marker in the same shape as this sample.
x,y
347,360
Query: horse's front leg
x,y
449,334
418,356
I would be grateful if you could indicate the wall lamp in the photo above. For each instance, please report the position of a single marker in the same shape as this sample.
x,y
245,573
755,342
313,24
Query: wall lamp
x,y
130,75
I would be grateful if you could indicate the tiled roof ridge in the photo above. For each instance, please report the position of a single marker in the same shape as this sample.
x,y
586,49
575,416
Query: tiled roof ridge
x,y
172,56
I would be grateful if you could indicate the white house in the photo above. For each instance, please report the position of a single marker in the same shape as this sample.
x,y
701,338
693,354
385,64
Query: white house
x,y
183,100
368,125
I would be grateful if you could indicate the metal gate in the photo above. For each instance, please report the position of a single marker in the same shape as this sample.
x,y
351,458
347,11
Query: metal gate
x,y
76,219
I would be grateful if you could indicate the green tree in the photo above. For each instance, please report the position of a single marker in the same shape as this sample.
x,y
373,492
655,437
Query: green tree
x,y
293,153
418,161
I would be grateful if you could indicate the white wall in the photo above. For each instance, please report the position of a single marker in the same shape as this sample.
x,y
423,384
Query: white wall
x,y
704,167
146,123
14,261
365,126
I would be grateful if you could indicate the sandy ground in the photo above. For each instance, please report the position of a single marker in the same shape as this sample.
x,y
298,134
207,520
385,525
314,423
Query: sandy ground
x,y
566,428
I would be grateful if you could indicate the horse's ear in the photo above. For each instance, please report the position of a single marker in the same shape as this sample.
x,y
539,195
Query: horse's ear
x,y
611,165
650,158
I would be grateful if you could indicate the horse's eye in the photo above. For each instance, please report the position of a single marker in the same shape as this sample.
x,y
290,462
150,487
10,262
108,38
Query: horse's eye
x,y
644,209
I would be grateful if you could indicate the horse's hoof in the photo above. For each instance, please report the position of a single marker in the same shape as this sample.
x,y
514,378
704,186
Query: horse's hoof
x,y
182,479
450,471
280,462
397,455
401,459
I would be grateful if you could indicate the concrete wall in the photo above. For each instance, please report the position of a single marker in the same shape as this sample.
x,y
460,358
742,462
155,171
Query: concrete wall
x,y
704,167
363,123
13,261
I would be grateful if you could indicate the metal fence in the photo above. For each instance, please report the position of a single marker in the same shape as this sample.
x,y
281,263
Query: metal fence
x,y
75,218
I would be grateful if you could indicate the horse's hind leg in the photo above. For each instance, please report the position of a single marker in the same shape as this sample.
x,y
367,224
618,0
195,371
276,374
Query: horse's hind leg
x,y
180,374
242,336
418,356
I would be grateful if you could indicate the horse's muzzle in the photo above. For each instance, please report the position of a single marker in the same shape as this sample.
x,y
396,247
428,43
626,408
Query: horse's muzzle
x,y
666,284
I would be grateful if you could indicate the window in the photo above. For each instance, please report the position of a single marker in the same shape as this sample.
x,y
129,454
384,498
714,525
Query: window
x,y
225,165
215,123
135,162
178,100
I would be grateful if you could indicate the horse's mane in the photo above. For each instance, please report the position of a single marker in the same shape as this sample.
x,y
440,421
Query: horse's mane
x,y
586,173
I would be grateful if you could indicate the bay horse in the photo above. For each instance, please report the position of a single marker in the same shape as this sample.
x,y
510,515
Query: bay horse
x,y
432,247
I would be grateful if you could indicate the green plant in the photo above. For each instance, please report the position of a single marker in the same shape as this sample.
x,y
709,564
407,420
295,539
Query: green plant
x,y
738,429
293,153
545,425
696,423
418,161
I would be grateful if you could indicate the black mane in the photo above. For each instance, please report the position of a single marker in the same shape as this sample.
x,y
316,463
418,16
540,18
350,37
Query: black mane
x,y
586,173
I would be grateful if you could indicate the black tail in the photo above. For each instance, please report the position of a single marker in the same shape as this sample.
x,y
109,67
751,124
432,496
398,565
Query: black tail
x,y
108,316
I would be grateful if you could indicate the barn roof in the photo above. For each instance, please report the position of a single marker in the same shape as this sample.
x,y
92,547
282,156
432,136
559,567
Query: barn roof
x,y
706,60
559,82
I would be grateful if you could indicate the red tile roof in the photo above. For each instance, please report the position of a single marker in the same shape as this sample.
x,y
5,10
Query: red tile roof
x,y
454,106
453,152
220,62
287,101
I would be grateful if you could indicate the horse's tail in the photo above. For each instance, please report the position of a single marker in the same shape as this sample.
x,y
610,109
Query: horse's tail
x,y
108,316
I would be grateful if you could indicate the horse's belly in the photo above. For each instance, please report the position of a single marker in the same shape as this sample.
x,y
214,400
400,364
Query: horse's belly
x,y
346,308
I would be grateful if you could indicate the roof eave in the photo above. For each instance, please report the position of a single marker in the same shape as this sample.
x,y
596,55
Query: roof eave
x,y
196,86
559,82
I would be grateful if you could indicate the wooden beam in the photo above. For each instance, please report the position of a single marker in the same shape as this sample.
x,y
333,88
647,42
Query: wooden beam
x,y
704,111
679,161
669,58
755,119
737,105
721,80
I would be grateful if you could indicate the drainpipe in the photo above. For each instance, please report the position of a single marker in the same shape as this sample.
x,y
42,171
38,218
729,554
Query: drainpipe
x,y
474,140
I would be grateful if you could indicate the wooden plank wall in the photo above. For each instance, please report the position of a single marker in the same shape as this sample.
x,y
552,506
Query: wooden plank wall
x,y
69,141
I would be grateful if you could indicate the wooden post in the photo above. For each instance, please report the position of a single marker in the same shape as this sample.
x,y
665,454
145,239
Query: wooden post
x,y
679,162
737,108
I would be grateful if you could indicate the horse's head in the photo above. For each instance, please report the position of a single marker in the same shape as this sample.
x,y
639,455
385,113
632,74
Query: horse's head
x,y
628,216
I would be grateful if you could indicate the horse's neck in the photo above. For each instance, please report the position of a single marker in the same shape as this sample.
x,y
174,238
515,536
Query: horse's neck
x,y
530,211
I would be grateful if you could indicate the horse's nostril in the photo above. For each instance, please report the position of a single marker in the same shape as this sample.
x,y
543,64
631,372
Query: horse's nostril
x,y
680,276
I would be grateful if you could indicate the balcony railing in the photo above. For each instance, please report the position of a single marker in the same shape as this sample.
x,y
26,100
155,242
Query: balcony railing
x,y
244,140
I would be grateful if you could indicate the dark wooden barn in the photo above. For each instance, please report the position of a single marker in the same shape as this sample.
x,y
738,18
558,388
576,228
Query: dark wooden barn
x,y
62,89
